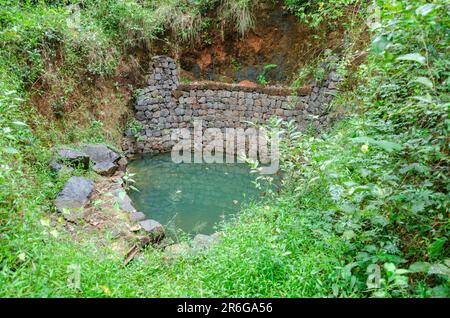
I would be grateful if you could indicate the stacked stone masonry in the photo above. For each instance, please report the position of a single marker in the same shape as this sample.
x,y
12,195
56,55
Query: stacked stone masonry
x,y
165,104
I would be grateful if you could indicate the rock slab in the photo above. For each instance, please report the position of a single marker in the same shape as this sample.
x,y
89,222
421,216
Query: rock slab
x,y
201,242
154,229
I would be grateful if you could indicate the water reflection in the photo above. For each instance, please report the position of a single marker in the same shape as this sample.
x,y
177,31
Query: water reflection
x,y
190,197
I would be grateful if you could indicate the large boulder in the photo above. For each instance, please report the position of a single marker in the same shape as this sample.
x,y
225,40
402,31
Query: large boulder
x,y
124,201
74,197
105,160
72,157
176,250
105,168
154,229
201,243
101,153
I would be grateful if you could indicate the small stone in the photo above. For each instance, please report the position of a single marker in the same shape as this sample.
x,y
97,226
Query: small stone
x,y
57,167
135,228
279,112
100,153
116,233
217,237
137,216
154,229
334,76
140,116
332,85
165,112
124,201
73,157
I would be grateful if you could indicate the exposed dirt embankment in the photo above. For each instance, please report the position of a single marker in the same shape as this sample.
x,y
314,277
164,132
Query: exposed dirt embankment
x,y
277,38
75,100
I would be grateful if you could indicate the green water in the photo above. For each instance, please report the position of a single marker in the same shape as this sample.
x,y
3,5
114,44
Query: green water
x,y
192,197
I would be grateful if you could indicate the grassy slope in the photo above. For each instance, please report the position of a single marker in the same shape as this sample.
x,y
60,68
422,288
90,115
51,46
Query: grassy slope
x,y
343,208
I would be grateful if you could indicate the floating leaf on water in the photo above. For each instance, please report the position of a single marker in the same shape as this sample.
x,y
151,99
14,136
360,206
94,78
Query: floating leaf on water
x,y
200,226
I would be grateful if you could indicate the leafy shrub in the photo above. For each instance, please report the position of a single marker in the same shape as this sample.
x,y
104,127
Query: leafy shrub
x,y
315,13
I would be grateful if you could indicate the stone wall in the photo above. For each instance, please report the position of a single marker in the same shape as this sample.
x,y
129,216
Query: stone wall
x,y
165,104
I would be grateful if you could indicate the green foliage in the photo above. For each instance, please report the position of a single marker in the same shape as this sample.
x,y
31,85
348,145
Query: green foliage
x,y
386,169
262,78
135,127
314,13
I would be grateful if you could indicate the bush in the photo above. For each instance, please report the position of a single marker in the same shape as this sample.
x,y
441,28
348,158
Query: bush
x,y
363,210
